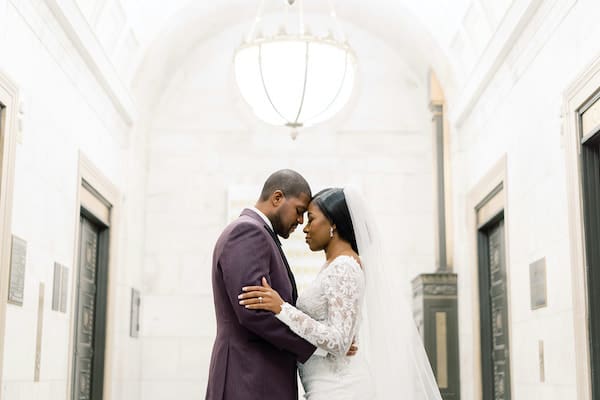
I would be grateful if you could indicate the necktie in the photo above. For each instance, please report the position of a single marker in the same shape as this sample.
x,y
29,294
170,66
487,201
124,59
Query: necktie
x,y
287,266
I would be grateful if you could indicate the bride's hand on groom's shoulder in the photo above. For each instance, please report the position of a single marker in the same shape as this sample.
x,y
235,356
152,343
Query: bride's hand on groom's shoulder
x,y
261,298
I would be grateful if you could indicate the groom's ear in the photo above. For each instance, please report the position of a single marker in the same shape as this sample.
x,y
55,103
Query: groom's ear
x,y
277,198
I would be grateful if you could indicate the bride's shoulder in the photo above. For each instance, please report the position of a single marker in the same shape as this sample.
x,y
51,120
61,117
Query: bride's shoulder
x,y
346,261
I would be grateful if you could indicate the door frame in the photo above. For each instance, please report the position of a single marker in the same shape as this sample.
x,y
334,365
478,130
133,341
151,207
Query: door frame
x,y
485,201
100,200
9,99
574,97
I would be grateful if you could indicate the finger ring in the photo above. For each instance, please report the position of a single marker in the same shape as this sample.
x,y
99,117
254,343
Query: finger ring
x,y
260,299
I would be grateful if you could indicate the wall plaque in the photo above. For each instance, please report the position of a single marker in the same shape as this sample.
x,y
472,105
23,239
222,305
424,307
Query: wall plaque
x,y
39,335
60,288
134,324
16,284
541,360
537,282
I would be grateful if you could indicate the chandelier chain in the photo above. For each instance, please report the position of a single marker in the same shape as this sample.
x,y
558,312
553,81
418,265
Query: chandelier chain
x,y
257,20
336,21
301,16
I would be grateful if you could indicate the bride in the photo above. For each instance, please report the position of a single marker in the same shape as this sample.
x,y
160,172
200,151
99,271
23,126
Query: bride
x,y
349,300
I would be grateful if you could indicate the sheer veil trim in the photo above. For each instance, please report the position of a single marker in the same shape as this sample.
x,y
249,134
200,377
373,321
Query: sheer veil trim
x,y
388,335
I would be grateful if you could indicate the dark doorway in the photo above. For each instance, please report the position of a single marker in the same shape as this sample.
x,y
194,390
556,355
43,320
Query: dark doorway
x,y
495,350
90,309
590,175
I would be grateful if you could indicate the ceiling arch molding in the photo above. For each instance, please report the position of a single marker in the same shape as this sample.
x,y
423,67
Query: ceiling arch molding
x,y
194,24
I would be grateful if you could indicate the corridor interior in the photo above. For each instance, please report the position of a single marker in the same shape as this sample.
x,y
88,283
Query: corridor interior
x,y
126,146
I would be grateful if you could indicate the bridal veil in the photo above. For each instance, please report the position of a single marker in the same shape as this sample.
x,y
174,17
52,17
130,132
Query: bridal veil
x,y
388,334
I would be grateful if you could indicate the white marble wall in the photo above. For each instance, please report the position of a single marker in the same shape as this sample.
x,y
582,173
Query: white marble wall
x,y
3,6
65,112
518,116
202,141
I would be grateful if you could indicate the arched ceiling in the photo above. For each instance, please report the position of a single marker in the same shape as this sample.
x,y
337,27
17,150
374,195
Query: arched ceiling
x,y
439,18
421,31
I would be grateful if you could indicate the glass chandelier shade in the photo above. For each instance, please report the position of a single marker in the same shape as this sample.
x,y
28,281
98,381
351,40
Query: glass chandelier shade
x,y
295,80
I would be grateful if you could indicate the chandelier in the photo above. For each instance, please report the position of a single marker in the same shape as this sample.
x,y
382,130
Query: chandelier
x,y
295,79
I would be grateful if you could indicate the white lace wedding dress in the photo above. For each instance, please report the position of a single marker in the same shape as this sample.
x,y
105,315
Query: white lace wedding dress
x,y
327,315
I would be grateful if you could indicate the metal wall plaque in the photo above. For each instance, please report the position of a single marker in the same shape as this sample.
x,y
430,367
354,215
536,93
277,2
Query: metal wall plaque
x,y
537,282
541,360
60,288
16,285
134,324
39,335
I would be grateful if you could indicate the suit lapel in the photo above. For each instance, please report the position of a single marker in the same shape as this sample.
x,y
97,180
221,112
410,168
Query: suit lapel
x,y
252,214
287,265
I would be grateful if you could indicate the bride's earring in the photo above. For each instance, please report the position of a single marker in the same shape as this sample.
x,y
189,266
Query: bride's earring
x,y
331,232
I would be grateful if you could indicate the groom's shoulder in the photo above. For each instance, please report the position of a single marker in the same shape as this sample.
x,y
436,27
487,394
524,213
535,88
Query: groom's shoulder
x,y
248,218
244,223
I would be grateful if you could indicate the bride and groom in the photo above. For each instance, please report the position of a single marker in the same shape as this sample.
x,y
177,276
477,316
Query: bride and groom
x,y
266,332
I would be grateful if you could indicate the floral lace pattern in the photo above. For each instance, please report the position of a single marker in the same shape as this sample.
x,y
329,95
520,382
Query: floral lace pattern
x,y
328,310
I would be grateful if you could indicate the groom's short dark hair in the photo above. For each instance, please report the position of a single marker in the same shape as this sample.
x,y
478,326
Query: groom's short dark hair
x,y
288,181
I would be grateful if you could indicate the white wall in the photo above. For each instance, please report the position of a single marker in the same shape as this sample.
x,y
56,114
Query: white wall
x,y
202,141
65,112
519,116
3,6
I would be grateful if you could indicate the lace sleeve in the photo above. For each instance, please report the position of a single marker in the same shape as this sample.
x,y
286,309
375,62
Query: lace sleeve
x,y
342,287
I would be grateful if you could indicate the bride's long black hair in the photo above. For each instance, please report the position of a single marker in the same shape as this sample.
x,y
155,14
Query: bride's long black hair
x,y
332,202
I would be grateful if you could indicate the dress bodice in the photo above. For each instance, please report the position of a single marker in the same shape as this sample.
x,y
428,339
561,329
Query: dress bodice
x,y
327,312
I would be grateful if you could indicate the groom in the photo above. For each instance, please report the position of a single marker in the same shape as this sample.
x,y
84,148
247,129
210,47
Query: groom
x,y
254,355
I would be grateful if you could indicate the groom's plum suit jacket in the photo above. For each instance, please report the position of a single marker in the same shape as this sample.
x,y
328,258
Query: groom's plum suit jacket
x,y
254,355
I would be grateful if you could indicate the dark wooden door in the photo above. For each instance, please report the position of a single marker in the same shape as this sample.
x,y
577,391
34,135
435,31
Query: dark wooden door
x,y
495,346
590,167
88,371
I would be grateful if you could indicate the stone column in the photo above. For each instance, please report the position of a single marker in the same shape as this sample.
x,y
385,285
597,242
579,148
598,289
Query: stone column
x,y
435,295
437,109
